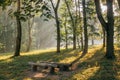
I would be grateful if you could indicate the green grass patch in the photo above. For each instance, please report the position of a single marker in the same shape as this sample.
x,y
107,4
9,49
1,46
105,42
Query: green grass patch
x,y
16,68
93,66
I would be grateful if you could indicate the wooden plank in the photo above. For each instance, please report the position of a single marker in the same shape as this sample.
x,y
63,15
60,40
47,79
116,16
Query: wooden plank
x,y
42,64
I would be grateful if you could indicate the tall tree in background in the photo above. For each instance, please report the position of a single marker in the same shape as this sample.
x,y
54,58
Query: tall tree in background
x,y
19,30
72,23
30,25
108,26
55,8
85,50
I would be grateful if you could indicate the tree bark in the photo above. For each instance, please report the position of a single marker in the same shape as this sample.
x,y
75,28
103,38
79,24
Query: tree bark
x,y
118,3
110,30
19,31
66,32
73,25
108,26
55,8
81,34
85,50
30,24
104,38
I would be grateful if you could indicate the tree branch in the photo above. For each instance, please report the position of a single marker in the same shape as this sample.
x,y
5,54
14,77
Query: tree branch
x,y
58,2
99,14
52,4
118,3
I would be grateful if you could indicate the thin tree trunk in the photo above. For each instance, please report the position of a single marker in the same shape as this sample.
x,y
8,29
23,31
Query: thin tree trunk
x,y
81,34
85,28
92,40
82,43
58,32
78,42
19,31
104,37
30,24
66,32
73,25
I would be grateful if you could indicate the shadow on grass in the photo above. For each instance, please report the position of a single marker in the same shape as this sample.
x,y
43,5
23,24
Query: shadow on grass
x,y
16,68
108,69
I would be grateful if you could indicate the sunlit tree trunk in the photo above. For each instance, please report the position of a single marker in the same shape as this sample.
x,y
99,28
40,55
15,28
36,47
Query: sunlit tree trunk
x,y
108,26
85,50
19,31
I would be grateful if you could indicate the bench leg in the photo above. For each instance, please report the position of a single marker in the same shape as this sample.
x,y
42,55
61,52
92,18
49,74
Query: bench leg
x,y
34,68
64,68
52,70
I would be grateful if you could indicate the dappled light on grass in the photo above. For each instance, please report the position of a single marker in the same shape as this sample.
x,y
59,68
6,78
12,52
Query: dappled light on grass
x,y
91,53
86,73
36,52
73,55
92,66
16,68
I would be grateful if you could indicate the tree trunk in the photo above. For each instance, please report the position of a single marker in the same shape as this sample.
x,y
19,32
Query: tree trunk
x,y
73,25
55,8
85,50
104,37
110,31
92,40
108,26
82,43
78,42
30,24
19,31
58,32
66,32
118,3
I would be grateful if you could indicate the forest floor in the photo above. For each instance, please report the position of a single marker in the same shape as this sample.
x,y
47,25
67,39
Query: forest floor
x,y
93,66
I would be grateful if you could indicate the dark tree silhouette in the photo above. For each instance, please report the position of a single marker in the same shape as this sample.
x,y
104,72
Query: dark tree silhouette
x,y
108,26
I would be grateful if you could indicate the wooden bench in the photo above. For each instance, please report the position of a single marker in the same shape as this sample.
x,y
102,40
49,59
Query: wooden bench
x,y
61,66
34,66
52,65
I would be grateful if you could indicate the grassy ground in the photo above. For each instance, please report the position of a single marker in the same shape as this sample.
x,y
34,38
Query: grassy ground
x,y
92,66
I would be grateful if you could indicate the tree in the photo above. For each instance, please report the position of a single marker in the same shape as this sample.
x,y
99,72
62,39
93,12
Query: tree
x,y
108,26
85,28
30,25
118,3
55,8
72,23
80,22
19,30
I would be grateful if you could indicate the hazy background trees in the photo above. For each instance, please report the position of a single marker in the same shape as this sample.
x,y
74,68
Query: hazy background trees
x,y
62,23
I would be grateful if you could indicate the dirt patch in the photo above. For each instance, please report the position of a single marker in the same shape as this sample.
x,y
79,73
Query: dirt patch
x,y
45,75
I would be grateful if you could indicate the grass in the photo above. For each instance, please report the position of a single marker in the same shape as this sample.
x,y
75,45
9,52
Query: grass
x,y
93,66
